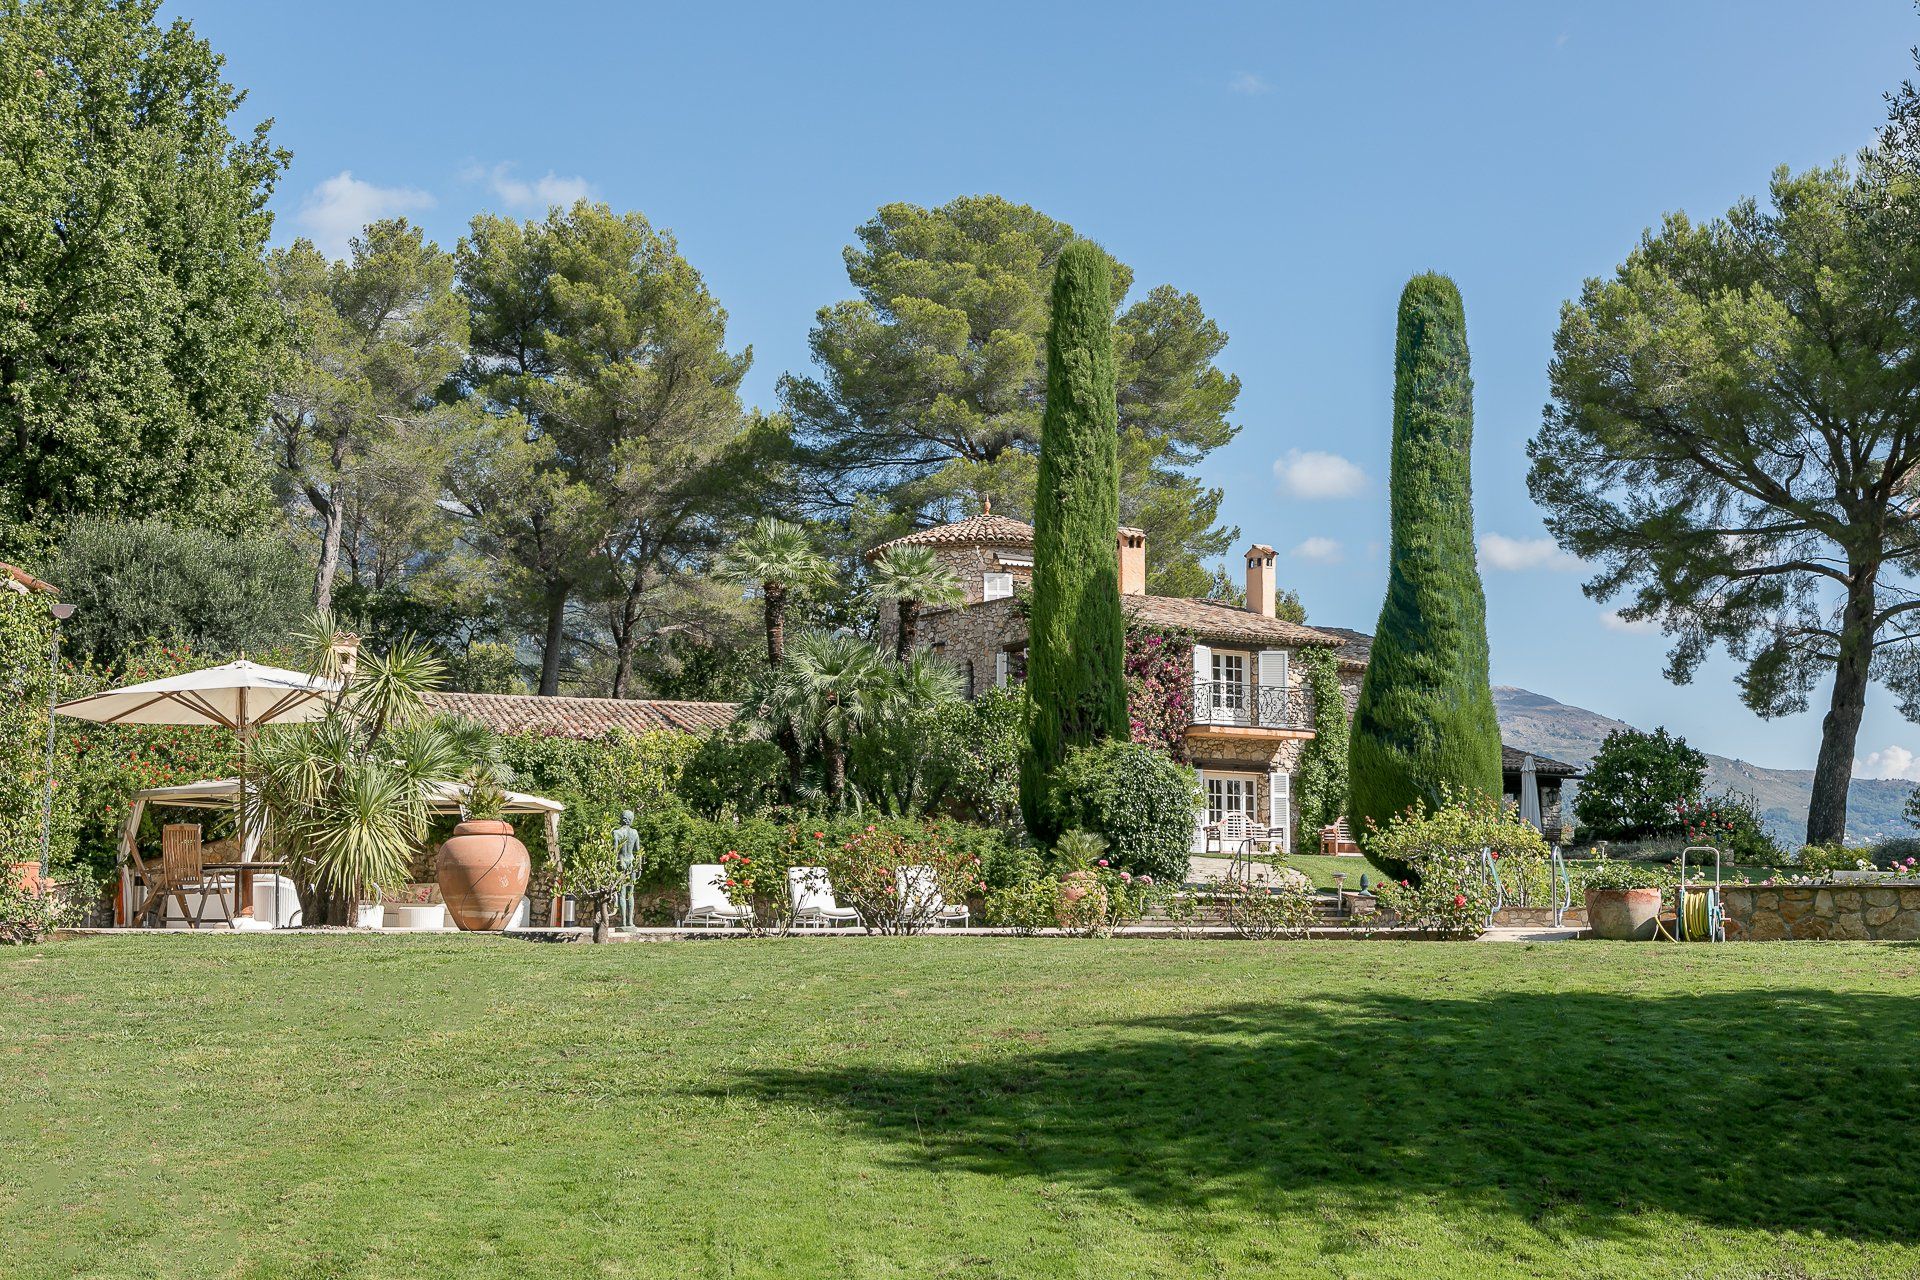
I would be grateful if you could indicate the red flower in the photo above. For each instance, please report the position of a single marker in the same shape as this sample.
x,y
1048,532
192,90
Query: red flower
x,y
1459,899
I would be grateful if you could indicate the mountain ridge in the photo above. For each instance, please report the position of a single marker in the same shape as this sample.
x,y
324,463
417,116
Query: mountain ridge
x,y
1546,726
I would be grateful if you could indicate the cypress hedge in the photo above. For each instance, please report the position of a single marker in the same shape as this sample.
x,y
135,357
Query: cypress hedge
x,y
1076,637
1425,726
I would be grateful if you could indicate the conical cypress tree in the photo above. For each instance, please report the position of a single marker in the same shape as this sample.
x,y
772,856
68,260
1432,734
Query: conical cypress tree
x,y
1076,638
1425,722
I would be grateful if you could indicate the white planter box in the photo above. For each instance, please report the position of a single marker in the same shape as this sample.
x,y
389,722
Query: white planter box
x,y
368,915
424,915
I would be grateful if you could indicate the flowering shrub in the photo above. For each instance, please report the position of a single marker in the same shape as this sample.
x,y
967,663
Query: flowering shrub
x,y
1730,823
1824,859
863,869
1452,897
1615,873
1283,909
1450,839
29,915
1159,673
738,877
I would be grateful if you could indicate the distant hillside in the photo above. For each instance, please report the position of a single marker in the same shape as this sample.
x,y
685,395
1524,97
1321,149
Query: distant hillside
x,y
1535,722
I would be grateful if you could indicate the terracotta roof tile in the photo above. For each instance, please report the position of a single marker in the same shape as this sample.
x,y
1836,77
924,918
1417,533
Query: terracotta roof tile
x,y
1513,760
583,717
1211,621
1356,647
984,530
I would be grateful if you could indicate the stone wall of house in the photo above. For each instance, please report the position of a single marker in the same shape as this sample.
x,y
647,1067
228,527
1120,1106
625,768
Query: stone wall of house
x,y
969,638
1849,912
1350,689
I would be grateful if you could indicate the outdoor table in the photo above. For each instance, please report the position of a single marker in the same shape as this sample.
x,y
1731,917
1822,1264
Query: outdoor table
x,y
242,873
243,879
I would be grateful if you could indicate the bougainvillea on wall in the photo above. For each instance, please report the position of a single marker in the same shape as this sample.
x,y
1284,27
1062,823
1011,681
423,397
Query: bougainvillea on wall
x,y
1159,670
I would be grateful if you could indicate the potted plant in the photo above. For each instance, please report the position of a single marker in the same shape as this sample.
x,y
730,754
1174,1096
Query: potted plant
x,y
1623,899
482,868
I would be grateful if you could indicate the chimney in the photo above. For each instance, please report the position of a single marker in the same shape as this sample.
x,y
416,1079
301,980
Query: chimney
x,y
1133,561
1260,582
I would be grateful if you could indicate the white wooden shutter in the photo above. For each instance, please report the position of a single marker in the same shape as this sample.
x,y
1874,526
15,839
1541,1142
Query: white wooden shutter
x,y
1271,674
1280,808
1202,692
1000,669
996,586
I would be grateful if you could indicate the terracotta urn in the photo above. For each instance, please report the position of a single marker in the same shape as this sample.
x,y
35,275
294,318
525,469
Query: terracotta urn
x,y
1075,886
482,871
25,875
1623,915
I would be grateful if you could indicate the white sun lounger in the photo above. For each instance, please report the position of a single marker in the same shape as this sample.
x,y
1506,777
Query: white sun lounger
x,y
922,886
708,907
814,906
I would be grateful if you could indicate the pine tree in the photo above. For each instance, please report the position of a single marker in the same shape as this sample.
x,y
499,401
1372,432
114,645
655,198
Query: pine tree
x,y
1077,638
1425,724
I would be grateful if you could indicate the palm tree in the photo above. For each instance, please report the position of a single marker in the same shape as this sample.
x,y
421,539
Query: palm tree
x,y
901,771
346,797
830,688
916,578
775,559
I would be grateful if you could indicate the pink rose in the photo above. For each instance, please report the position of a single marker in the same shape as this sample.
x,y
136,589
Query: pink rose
x,y
1102,862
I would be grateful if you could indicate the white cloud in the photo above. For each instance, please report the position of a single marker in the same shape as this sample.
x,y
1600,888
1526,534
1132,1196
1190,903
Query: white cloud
x,y
541,193
340,208
1516,554
1612,621
1250,84
1318,475
1320,551
1888,762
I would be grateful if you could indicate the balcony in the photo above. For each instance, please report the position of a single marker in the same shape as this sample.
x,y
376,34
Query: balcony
x,y
1230,705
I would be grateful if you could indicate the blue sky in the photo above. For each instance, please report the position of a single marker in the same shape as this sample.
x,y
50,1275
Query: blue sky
x,y
1292,164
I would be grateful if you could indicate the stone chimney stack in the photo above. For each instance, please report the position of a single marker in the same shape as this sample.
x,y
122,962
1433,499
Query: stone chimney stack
x,y
1133,561
1260,579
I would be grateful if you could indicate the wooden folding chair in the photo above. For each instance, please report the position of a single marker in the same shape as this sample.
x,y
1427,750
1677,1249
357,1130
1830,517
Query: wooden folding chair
x,y
181,860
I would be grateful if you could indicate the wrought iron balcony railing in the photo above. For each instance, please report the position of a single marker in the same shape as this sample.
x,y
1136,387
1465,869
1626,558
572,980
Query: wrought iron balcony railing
x,y
1254,706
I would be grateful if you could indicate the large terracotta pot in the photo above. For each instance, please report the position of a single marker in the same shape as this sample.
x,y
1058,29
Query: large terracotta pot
x,y
482,871
1074,913
25,875
1623,915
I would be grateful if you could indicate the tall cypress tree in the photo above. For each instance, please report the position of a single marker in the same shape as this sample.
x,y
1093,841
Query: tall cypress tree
x,y
1075,675
1426,722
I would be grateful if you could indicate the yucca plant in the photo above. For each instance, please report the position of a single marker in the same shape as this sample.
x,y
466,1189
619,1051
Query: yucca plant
x,y
347,799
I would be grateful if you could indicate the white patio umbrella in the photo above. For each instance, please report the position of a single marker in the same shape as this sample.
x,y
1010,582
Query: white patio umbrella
x,y
240,696
1530,793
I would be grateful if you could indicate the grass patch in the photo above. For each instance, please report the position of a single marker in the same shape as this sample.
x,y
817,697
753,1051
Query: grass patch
x,y
320,1107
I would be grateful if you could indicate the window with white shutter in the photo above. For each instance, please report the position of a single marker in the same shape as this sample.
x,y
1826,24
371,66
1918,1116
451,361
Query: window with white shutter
x,y
1270,702
1001,664
1280,808
996,586
1202,684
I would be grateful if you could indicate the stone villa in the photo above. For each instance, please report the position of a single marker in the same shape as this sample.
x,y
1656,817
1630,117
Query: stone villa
x,y
1250,717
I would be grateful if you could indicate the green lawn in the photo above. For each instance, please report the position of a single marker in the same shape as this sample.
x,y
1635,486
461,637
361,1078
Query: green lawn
x,y
320,1107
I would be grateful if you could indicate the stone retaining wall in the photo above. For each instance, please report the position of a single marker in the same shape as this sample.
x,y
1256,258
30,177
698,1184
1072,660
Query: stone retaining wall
x,y
1851,912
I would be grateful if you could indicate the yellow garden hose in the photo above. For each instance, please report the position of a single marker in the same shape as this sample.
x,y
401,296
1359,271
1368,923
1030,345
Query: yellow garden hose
x,y
1693,914
1696,919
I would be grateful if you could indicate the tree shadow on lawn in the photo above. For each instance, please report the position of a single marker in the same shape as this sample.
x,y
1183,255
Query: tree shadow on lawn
x,y
1794,1110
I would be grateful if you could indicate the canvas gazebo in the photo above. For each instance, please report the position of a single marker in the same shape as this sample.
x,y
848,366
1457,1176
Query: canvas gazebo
x,y
225,793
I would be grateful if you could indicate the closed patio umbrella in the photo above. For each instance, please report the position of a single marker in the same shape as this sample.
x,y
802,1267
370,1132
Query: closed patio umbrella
x,y
240,696
1530,793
